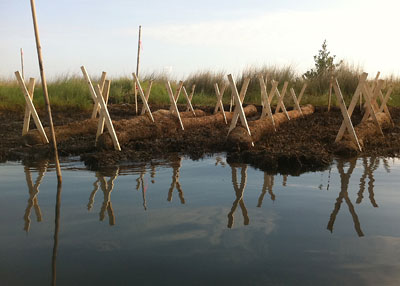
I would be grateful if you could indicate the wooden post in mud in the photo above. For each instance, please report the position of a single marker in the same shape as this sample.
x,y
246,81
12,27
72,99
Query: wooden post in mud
x,y
330,93
302,92
174,107
96,108
352,105
265,101
188,101
347,120
190,98
22,64
142,95
28,113
105,94
280,101
238,109
29,104
107,118
137,65
296,102
282,95
45,93
220,105
147,95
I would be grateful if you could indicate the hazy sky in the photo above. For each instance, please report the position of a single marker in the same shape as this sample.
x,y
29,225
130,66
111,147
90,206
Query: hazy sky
x,y
187,36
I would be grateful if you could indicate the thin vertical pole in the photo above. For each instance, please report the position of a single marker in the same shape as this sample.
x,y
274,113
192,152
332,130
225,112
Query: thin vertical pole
x,y
22,64
137,66
45,92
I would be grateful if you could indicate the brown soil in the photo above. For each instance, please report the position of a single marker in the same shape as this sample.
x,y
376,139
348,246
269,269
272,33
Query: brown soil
x,y
305,144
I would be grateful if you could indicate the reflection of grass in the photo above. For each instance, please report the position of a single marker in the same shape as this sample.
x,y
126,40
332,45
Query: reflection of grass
x,y
73,92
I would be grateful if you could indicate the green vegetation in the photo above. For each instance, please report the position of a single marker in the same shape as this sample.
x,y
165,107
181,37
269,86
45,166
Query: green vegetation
x,y
73,93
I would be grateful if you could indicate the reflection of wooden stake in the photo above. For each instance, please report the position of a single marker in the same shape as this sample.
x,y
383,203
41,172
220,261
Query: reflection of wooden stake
x,y
31,107
239,191
268,184
345,178
33,193
175,181
107,188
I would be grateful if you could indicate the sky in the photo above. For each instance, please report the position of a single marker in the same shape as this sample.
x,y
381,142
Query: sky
x,y
182,37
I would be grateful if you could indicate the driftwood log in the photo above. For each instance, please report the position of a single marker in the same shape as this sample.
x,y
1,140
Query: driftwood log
x,y
364,130
240,139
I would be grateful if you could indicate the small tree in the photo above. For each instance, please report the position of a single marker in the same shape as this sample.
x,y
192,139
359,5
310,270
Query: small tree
x,y
324,68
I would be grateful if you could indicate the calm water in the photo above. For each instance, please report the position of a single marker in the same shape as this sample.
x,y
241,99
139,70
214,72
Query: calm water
x,y
200,223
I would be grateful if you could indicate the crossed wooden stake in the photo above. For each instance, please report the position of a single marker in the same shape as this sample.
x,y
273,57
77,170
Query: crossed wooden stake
x,y
189,103
220,106
370,94
238,111
239,191
33,193
107,187
30,109
173,99
99,95
176,166
265,100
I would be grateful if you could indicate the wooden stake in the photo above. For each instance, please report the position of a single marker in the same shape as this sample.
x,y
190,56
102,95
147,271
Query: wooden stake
x,y
346,116
107,118
264,99
31,107
220,105
352,105
239,112
105,94
302,92
282,95
296,103
96,108
143,96
22,64
147,93
272,91
92,91
27,117
176,95
45,93
369,100
173,103
243,89
280,103
137,65
188,100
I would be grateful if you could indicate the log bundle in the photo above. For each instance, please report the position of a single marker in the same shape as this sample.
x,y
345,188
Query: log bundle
x,y
366,129
240,139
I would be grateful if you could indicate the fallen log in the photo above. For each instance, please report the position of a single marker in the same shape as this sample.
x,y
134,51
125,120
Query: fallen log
x,y
89,127
166,125
240,139
364,130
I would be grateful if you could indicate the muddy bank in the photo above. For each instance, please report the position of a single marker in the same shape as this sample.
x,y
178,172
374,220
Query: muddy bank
x,y
304,144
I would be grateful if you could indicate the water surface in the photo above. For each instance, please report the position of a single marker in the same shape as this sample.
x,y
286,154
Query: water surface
x,y
183,222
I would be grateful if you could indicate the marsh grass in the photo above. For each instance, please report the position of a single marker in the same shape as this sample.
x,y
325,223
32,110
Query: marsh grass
x,y
72,92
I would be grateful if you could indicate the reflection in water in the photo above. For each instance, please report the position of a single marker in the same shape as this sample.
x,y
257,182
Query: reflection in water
x,y
344,180
107,187
370,166
140,182
176,166
33,193
268,184
56,231
239,190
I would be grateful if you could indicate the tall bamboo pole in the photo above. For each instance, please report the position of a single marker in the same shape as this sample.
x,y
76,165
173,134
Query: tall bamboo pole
x,y
45,92
22,64
137,66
